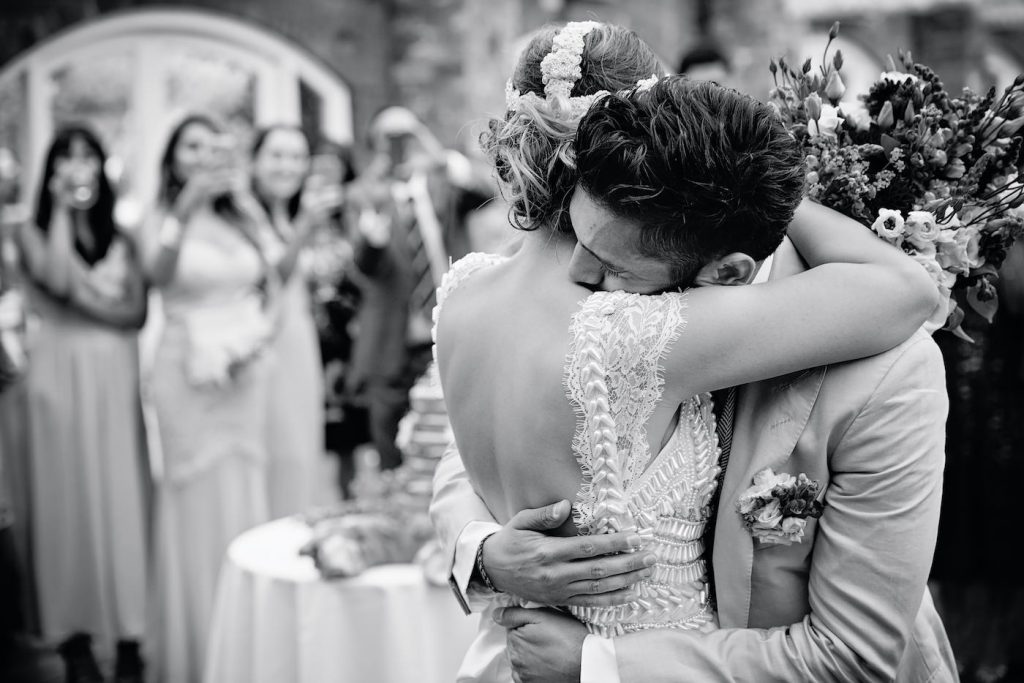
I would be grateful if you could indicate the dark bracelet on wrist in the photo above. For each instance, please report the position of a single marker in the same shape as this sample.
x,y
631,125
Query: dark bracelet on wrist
x,y
480,565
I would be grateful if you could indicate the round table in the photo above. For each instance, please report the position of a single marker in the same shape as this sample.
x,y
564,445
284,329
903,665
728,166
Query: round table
x,y
277,620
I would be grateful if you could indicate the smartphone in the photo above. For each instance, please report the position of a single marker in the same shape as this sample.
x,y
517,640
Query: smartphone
x,y
326,168
224,152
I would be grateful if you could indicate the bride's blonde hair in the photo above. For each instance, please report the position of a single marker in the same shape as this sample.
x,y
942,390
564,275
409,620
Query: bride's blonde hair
x,y
531,147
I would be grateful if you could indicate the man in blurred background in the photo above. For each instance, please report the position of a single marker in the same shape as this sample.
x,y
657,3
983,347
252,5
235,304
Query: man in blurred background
x,y
415,196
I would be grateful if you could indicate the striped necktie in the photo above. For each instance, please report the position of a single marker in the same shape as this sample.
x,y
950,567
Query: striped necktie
x,y
426,246
725,409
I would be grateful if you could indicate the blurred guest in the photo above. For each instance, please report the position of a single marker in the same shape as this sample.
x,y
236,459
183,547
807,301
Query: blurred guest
x,y
209,383
981,590
297,204
17,591
420,194
89,471
336,301
706,62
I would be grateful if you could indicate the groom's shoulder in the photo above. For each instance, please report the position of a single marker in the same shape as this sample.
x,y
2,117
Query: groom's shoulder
x,y
914,364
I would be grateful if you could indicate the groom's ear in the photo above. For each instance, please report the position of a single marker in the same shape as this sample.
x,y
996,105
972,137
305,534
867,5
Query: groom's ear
x,y
732,269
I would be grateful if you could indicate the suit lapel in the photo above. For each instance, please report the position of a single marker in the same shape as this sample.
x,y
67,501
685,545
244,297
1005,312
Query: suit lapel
x,y
770,417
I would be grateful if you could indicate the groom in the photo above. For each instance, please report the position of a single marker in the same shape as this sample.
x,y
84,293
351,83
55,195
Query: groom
x,y
848,602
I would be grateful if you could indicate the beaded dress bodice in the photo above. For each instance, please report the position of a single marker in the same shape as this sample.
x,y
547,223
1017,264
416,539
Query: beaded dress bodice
x,y
613,380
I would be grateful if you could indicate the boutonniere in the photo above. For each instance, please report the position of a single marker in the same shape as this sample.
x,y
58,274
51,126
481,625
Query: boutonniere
x,y
775,509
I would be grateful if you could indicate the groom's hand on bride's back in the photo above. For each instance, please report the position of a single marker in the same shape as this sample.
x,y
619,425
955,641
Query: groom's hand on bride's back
x,y
524,560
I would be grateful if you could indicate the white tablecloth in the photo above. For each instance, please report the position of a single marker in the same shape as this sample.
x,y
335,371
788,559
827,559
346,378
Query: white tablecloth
x,y
277,621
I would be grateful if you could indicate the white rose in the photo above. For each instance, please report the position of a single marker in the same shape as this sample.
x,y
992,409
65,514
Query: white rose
x,y
856,114
794,527
958,251
970,238
922,230
766,480
770,515
746,503
827,124
764,476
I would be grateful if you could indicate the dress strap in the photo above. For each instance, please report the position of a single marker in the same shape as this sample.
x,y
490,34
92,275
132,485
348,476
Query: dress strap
x,y
459,272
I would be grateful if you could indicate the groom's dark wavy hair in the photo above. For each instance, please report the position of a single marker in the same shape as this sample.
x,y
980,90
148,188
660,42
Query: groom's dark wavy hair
x,y
705,170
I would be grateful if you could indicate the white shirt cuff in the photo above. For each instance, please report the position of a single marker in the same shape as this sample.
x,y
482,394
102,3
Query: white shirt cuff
x,y
598,664
469,540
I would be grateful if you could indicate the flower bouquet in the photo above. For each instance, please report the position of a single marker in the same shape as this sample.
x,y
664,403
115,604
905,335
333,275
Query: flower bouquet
x,y
929,172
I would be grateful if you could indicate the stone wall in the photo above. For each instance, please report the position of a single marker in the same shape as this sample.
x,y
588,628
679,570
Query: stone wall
x,y
448,59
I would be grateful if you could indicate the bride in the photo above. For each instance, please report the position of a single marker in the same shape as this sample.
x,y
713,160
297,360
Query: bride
x,y
557,391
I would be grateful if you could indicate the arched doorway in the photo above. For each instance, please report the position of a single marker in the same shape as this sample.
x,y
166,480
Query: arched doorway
x,y
132,74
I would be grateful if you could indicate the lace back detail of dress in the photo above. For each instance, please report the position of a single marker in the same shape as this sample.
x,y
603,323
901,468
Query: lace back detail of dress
x,y
618,341
613,380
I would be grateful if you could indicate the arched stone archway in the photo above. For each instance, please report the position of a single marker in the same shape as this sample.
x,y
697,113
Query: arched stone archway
x,y
132,74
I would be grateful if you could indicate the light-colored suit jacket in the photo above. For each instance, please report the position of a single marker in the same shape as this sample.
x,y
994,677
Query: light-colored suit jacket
x,y
850,602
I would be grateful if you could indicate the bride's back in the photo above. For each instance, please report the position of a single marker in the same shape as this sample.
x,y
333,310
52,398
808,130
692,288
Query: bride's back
x,y
502,339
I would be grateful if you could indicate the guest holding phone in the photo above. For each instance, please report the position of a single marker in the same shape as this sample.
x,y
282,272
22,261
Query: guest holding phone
x,y
297,204
89,474
209,383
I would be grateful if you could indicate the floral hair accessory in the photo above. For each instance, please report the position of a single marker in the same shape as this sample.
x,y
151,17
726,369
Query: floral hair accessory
x,y
776,508
645,84
560,69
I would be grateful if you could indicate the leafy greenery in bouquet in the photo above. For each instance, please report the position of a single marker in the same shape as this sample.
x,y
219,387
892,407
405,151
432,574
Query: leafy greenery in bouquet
x,y
934,174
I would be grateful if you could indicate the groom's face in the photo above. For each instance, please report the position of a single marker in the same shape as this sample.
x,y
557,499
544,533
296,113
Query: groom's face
x,y
605,257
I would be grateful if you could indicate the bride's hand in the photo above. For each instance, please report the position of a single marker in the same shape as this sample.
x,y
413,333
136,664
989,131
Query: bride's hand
x,y
577,570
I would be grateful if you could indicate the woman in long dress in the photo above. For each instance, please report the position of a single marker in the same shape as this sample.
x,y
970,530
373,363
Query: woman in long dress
x,y
295,203
208,384
90,477
615,415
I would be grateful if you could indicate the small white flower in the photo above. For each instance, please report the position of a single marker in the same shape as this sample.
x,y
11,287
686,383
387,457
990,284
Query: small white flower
x,y
897,77
645,84
856,114
889,225
512,97
794,526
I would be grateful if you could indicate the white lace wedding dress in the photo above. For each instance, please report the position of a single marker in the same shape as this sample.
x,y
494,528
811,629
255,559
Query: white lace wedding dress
x,y
613,380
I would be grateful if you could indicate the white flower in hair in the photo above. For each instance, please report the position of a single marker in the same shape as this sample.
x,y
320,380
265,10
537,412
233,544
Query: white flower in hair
x,y
645,84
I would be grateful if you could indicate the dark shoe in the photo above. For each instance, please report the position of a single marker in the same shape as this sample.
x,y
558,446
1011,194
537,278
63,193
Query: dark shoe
x,y
129,666
79,664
